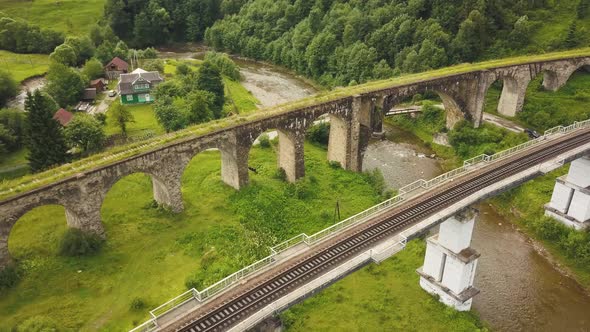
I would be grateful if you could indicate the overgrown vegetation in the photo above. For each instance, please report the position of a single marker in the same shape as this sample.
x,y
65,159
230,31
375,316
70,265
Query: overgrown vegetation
x,y
219,232
21,37
383,297
340,43
546,109
77,243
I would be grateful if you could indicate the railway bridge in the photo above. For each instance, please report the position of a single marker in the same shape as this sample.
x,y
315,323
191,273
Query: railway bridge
x,y
353,118
303,265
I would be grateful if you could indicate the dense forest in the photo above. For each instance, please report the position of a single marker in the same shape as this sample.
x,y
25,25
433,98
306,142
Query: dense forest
x,y
344,42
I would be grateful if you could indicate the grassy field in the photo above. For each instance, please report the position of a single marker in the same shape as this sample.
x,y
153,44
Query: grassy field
x,y
150,253
383,297
23,66
68,16
556,22
144,123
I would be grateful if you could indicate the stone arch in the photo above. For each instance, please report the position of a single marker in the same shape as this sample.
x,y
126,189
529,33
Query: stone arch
x,y
454,112
290,154
14,213
557,75
165,186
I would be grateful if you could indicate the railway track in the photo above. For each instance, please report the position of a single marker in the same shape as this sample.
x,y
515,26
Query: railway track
x,y
298,273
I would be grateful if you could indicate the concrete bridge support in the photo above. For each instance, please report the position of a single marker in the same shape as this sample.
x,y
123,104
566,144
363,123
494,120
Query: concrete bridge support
x,y
234,161
449,266
513,93
339,141
291,154
570,203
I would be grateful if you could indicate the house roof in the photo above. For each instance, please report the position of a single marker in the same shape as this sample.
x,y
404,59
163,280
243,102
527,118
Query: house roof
x,y
89,94
126,81
62,116
119,63
96,81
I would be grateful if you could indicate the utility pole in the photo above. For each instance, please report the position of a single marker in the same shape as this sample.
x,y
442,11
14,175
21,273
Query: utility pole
x,y
337,212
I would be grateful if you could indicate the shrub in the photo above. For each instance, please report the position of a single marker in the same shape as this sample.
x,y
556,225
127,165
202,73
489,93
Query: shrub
x,y
264,141
9,276
335,164
38,324
281,174
138,304
77,243
319,133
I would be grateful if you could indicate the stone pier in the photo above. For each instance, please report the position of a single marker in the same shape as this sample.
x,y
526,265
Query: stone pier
x,y
450,263
570,203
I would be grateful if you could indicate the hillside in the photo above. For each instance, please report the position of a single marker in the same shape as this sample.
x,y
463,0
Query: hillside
x,y
73,17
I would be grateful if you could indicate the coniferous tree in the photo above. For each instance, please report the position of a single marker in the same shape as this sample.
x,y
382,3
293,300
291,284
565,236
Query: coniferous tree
x,y
583,8
209,79
46,143
571,39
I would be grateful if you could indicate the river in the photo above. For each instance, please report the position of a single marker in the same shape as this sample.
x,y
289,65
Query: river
x,y
520,290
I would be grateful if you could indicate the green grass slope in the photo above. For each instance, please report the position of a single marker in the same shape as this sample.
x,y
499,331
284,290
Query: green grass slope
x,y
384,297
23,66
149,252
73,17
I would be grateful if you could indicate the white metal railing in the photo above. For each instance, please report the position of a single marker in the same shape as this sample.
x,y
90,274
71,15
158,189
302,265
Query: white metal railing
x,y
404,194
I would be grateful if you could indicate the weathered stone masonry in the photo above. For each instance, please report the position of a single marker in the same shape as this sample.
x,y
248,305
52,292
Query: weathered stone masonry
x,y
353,119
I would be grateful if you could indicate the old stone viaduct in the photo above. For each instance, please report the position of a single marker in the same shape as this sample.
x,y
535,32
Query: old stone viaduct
x,y
353,119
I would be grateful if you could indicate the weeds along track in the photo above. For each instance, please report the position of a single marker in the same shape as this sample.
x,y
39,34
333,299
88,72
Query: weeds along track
x,y
304,269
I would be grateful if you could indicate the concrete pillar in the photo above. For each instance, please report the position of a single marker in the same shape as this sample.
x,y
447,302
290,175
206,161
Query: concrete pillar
x,y
450,263
513,93
570,202
234,161
5,258
168,193
378,116
360,131
291,154
339,142
554,80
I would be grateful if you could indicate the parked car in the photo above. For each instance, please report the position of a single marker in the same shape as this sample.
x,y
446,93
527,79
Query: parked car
x,y
112,93
532,133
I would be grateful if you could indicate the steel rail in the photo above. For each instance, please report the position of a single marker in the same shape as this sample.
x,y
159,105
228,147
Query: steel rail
x,y
224,316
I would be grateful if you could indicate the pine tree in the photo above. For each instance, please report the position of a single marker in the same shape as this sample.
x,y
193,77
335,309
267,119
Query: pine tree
x,y
46,143
209,79
571,40
583,8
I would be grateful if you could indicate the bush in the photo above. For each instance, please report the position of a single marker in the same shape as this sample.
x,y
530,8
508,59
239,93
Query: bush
x,y
8,87
38,324
77,243
137,304
281,174
319,133
9,276
335,164
264,141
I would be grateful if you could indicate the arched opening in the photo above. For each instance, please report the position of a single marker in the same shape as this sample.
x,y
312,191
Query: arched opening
x,y
203,189
263,157
544,109
131,199
37,233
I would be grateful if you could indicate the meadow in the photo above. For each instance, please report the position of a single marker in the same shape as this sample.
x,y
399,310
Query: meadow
x,y
150,253
23,66
73,17
380,297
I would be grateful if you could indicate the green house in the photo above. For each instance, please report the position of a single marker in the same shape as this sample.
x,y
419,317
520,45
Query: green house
x,y
136,87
